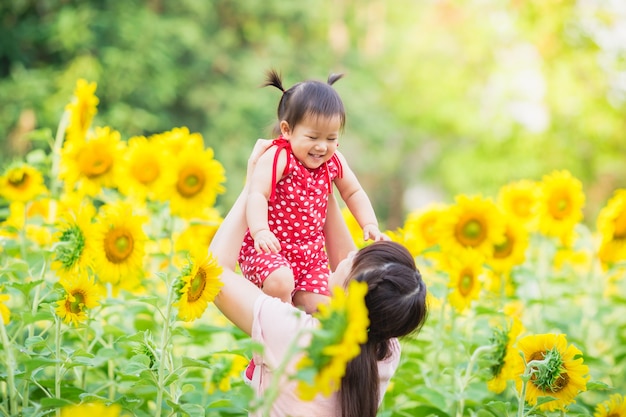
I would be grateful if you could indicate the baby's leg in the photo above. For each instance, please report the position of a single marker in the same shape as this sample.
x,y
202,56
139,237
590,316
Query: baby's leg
x,y
280,284
309,300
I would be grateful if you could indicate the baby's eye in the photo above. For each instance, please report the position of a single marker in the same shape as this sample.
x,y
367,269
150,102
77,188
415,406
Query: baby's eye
x,y
312,137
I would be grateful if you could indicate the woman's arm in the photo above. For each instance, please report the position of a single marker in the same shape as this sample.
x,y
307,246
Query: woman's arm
x,y
338,239
238,295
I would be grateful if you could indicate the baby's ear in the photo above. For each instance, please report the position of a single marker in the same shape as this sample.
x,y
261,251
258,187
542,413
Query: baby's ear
x,y
285,129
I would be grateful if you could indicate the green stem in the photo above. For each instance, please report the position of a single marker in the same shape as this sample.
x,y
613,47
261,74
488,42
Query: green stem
x,y
165,334
56,153
529,370
467,376
23,233
440,331
57,365
111,365
10,362
522,399
31,332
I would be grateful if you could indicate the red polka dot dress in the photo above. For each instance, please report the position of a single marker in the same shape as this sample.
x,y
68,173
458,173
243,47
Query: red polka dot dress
x,y
296,215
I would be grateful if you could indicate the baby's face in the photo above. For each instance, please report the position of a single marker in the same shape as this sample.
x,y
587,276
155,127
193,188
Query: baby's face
x,y
314,140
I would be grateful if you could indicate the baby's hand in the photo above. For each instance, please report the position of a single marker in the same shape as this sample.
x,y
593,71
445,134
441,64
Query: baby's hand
x,y
370,231
266,241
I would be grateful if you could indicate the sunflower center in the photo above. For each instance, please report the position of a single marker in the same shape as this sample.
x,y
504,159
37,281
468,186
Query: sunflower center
x,y
145,171
71,245
559,206
94,163
18,178
197,285
620,226
466,282
190,182
76,306
504,249
549,376
470,233
118,245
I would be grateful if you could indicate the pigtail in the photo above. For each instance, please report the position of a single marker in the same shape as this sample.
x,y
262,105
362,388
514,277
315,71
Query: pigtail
x,y
332,78
274,80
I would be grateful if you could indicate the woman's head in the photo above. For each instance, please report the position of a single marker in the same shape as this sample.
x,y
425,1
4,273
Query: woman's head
x,y
396,297
396,302
313,99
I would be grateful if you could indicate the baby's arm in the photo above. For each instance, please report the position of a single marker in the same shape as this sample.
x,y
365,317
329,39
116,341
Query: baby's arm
x,y
256,206
358,203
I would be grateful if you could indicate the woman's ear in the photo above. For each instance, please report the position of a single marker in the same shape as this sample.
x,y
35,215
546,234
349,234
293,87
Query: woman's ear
x,y
284,129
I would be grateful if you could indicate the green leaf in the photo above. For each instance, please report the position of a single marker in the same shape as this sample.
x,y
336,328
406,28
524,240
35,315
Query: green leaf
x,y
191,362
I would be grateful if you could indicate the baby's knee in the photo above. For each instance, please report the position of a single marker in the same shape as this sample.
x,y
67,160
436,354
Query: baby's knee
x,y
280,284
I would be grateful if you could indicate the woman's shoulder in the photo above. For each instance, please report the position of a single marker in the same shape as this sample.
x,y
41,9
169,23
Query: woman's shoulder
x,y
272,313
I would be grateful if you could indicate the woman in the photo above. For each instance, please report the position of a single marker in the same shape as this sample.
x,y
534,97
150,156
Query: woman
x,y
396,301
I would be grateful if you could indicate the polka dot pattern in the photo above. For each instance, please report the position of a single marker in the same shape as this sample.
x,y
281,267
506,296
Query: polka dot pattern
x,y
296,216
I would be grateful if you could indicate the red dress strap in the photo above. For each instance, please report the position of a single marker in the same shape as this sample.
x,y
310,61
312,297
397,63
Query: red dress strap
x,y
281,143
337,162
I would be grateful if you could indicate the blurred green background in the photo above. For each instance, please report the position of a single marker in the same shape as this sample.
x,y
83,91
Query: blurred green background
x,y
443,97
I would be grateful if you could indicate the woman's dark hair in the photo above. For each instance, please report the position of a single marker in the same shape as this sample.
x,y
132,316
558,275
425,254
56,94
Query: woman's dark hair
x,y
396,302
306,98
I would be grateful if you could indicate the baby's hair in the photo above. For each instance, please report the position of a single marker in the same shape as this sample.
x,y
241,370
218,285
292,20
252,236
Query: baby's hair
x,y
306,98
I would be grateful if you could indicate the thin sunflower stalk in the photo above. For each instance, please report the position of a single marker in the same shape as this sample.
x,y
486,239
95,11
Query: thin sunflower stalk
x,y
162,354
190,293
10,364
464,380
164,348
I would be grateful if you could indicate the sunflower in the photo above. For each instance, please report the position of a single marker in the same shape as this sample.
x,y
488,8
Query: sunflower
x,y
520,199
224,368
81,293
611,225
5,313
420,231
613,407
90,165
562,375
119,244
199,179
82,110
177,139
146,169
197,235
471,226
504,356
512,250
464,274
92,410
198,285
74,241
560,205
22,183
343,329
34,217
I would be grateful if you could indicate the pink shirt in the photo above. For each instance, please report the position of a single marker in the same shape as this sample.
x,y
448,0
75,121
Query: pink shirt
x,y
276,325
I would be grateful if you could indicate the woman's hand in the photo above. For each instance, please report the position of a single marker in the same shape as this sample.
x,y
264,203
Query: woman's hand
x,y
259,149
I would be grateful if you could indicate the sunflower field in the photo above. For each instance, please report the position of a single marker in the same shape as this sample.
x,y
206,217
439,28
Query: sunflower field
x,y
106,289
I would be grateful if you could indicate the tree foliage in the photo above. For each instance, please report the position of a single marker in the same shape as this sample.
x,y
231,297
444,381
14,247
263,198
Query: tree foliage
x,y
447,96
